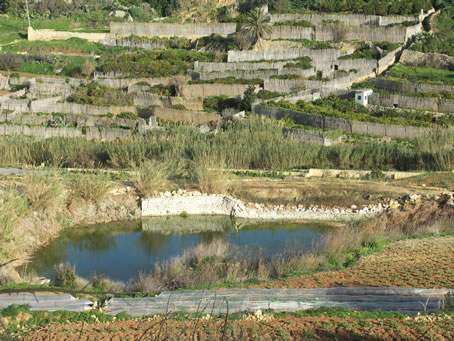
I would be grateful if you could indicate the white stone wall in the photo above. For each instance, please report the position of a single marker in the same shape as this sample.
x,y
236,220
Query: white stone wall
x,y
225,205
4,83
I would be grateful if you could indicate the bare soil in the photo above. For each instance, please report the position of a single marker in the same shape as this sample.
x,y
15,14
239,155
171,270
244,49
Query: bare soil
x,y
285,328
328,192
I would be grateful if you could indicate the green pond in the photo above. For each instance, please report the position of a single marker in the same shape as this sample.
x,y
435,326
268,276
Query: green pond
x,y
121,250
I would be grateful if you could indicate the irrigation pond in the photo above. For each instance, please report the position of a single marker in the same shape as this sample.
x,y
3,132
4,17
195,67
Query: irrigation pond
x,y
121,250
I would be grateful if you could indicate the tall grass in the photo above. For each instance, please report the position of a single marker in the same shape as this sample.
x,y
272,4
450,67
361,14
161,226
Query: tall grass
x,y
44,193
213,181
13,206
92,188
258,145
154,177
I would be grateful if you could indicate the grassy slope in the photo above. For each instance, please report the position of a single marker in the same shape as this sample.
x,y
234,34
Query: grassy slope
x,y
421,74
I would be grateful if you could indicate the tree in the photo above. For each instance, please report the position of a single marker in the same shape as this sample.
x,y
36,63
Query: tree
x,y
4,5
257,24
282,6
249,98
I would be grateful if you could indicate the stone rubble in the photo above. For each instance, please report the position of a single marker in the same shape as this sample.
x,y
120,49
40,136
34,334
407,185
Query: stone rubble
x,y
235,207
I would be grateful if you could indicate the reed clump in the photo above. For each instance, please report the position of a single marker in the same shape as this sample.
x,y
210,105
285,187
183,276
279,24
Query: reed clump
x,y
221,262
89,187
44,193
214,181
256,145
154,177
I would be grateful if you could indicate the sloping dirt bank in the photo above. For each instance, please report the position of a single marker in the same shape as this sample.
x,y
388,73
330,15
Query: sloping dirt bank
x,y
38,228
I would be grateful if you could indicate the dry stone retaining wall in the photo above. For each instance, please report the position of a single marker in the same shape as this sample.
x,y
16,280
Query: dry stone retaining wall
x,y
396,86
307,136
332,123
42,132
291,32
259,74
388,60
133,43
320,56
50,105
47,35
436,60
45,80
324,88
220,67
4,82
19,105
79,109
347,19
412,102
197,117
395,34
122,83
225,205
171,30
146,99
205,90
45,89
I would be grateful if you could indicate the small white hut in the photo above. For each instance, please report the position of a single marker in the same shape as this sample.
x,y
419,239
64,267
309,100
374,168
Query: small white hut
x,y
362,96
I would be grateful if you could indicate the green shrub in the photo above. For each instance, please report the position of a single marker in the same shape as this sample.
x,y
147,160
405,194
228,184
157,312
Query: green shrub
x,y
216,42
301,63
149,63
248,98
94,93
302,23
387,46
65,276
179,107
266,95
72,70
286,76
349,110
9,61
163,90
220,103
136,12
442,41
229,80
363,51
128,116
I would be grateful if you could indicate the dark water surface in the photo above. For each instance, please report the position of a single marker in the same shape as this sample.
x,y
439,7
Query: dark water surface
x,y
121,250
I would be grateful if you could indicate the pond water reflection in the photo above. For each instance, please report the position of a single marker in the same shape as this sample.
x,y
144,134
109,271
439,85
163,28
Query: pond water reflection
x,y
121,250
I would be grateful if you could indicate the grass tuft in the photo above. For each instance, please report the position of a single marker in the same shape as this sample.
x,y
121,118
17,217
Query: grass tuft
x,y
92,188
44,193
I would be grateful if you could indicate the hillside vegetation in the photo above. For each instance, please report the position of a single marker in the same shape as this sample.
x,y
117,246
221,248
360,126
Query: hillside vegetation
x,y
442,39
142,10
